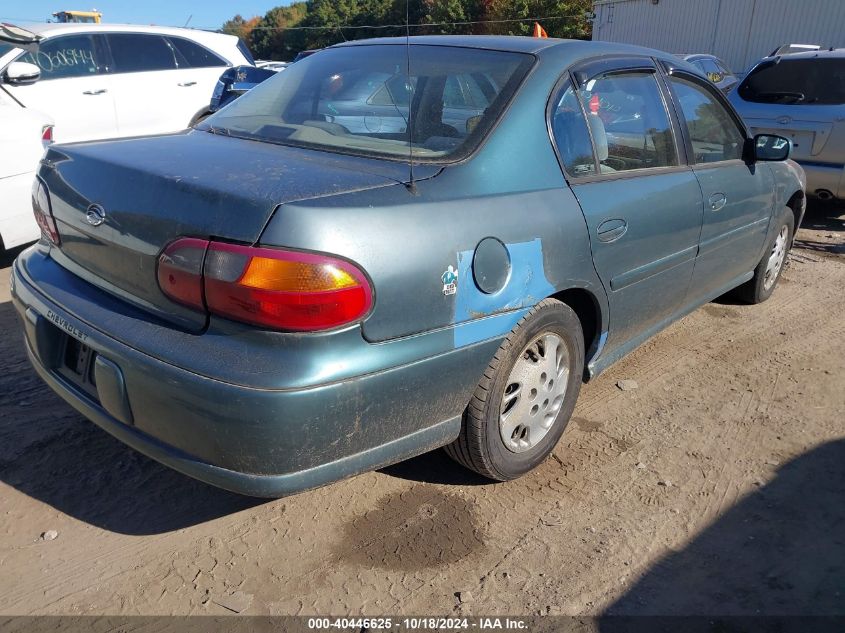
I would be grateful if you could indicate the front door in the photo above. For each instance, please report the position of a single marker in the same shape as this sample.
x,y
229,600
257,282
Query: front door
x,y
738,196
73,89
642,206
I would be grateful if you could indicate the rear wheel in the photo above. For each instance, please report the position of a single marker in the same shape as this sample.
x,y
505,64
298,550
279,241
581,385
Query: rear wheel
x,y
525,398
768,271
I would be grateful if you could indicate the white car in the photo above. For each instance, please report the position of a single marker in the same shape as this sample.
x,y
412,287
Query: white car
x,y
104,81
23,135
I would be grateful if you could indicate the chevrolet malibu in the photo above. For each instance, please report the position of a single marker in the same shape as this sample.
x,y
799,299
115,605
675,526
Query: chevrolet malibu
x,y
277,299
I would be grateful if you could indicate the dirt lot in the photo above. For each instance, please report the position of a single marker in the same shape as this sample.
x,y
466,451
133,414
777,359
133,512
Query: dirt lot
x,y
716,487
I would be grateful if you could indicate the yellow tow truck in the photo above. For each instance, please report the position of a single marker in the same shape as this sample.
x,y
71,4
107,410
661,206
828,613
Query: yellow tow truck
x,y
83,17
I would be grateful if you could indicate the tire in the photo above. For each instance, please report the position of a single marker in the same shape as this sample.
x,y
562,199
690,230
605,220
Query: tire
x,y
533,421
761,286
199,118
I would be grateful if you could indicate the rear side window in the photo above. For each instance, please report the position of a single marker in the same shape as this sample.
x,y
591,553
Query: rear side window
x,y
63,57
133,53
629,122
714,134
572,137
191,55
811,81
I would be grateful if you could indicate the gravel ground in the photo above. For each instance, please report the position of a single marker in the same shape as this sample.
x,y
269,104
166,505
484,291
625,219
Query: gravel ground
x,y
717,486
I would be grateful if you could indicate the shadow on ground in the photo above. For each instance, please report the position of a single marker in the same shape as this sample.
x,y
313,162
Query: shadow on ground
x,y
779,552
8,256
435,467
53,454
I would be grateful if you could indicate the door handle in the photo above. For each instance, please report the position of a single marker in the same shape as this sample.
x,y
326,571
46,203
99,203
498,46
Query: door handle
x,y
185,84
717,201
611,230
100,91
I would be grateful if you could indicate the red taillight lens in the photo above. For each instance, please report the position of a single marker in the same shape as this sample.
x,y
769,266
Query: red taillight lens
x,y
283,290
44,212
180,271
47,134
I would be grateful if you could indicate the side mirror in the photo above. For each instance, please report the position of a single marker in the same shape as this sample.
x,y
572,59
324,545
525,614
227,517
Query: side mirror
x,y
22,73
771,147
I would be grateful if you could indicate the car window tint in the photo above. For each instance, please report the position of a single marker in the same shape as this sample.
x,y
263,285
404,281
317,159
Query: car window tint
x,y
190,54
62,57
813,81
629,122
714,134
134,53
356,99
711,71
463,91
723,68
572,136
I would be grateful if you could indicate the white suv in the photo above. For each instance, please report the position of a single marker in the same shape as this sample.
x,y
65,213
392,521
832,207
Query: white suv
x,y
25,132
103,81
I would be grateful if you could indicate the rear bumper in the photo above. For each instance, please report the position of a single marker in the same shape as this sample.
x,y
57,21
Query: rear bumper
x,y
255,441
824,177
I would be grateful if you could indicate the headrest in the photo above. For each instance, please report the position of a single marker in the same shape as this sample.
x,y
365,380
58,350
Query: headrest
x,y
599,136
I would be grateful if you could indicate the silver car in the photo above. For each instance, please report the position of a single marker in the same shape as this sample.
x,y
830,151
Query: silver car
x,y
801,96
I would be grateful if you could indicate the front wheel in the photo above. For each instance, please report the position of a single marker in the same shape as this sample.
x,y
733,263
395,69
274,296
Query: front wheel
x,y
525,398
761,286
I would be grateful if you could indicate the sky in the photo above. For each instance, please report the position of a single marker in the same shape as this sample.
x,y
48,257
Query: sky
x,y
206,13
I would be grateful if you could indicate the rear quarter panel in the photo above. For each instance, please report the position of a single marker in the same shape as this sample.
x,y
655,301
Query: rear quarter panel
x,y
512,189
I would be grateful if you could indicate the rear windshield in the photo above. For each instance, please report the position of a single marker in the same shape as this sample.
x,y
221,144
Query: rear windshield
x,y
811,81
361,100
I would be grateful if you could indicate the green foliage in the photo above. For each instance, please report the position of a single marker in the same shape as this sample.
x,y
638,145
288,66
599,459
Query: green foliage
x,y
321,23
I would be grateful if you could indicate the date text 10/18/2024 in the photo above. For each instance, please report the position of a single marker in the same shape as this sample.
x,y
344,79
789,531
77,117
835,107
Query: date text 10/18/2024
x,y
416,624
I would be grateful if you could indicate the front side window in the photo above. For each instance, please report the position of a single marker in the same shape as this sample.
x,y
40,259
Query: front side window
x,y
360,99
64,57
810,81
134,53
629,123
714,134
571,135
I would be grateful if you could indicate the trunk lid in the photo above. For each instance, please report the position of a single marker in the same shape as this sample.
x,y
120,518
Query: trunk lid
x,y
153,190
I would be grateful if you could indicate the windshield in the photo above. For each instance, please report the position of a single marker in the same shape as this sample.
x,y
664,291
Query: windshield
x,y
5,48
360,100
813,81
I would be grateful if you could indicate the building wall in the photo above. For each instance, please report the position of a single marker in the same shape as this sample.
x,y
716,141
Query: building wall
x,y
738,31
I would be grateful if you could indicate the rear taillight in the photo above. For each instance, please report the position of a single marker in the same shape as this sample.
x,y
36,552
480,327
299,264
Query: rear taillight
x,y
275,288
47,134
43,212
180,271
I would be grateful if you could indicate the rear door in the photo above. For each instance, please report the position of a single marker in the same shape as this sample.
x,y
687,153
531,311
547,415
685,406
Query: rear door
x,y
73,89
641,202
738,196
160,83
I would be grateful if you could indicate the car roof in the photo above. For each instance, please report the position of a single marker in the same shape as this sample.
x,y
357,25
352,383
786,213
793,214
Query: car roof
x,y
689,57
516,44
824,53
53,29
571,50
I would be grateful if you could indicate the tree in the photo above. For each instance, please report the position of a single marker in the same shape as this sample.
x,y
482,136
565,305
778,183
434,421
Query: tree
x,y
284,31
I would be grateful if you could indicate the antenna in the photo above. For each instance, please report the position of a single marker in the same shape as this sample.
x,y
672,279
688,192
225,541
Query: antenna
x,y
412,187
